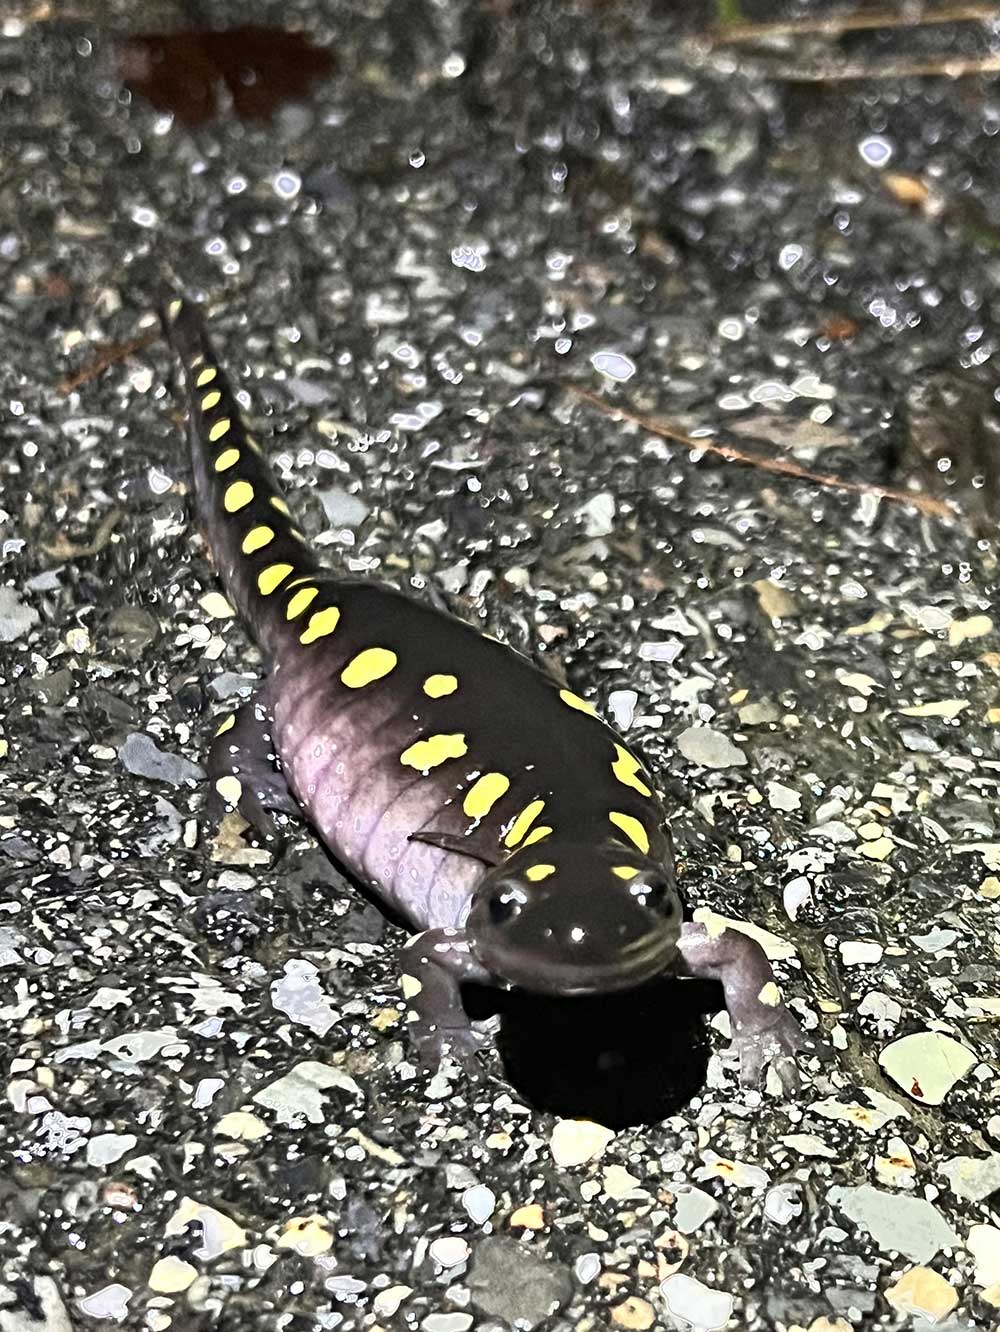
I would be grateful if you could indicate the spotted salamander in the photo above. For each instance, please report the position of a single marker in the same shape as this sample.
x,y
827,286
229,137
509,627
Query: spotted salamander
x,y
489,807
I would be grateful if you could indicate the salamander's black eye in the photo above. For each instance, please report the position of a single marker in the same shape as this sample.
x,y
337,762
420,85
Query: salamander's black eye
x,y
504,906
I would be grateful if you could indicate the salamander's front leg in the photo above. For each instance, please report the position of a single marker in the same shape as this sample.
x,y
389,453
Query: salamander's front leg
x,y
435,964
762,1025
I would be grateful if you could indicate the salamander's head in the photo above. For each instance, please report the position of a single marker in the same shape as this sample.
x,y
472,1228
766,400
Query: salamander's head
x,y
560,919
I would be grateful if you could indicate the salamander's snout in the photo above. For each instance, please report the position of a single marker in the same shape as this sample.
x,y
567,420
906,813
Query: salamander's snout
x,y
562,923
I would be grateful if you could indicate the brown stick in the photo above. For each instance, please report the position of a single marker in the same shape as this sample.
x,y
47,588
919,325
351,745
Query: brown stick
x,y
925,503
837,23
106,357
915,69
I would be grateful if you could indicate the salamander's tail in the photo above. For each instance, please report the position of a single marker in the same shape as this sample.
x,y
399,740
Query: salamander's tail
x,y
265,565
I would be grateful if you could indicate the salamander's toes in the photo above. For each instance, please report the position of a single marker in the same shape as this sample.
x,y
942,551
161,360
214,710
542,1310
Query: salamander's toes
x,y
461,1044
776,1044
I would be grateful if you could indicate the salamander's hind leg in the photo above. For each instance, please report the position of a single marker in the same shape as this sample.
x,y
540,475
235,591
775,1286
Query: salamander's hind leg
x,y
244,769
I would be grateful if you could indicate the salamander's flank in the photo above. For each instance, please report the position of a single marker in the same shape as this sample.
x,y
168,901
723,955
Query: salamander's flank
x,y
498,813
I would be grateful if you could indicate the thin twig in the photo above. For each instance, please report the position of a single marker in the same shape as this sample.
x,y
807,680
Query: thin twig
x,y
925,503
831,25
946,67
106,357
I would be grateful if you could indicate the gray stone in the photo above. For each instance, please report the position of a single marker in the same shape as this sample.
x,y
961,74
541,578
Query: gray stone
x,y
139,755
15,617
910,1226
509,1281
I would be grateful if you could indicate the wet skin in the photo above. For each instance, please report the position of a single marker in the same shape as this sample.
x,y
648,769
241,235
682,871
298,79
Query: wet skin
x,y
493,810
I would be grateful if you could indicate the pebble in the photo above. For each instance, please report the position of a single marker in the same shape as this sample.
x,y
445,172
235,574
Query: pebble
x,y
587,1268
450,1250
614,365
511,1282
697,1305
387,1301
983,1242
924,1292
215,605
105,1148
911,1226
479,1203
110,1302
299,1094
300,996
693,1208
633,1313
576,1141
775,601
530,1217
622,704
976,626
447,1322
241,1126
598,515
342,509
171,1275
140,756
36,1307
219,1233
926,1065
709,748
15,617
308,1236
971,1177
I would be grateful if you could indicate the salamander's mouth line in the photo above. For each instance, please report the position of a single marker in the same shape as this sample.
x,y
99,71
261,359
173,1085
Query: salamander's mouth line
x,y
627,971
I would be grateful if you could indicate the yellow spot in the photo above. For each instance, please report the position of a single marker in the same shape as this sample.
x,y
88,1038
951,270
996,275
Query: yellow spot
x,y
227,725
632,829
627,769
174,309
436,686
523,822
484,794
322,623
273,576
624,871
427,754
279,504
211,400
573,701
237,496
536,872
206,377
300,601
368,666
770,995
219,429
256,539
226,459
231,790
536,835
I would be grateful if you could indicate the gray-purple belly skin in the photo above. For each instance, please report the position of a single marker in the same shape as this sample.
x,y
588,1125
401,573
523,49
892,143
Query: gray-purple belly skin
x,y
341,760
341,750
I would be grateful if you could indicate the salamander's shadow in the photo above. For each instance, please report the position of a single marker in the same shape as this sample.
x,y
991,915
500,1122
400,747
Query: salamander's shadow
x,y
620,1059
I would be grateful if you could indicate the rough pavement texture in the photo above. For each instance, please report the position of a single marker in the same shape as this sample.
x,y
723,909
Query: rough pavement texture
x,y
210,1116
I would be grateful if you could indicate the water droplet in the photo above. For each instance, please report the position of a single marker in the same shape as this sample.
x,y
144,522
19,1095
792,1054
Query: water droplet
x,y
145,217
417,159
